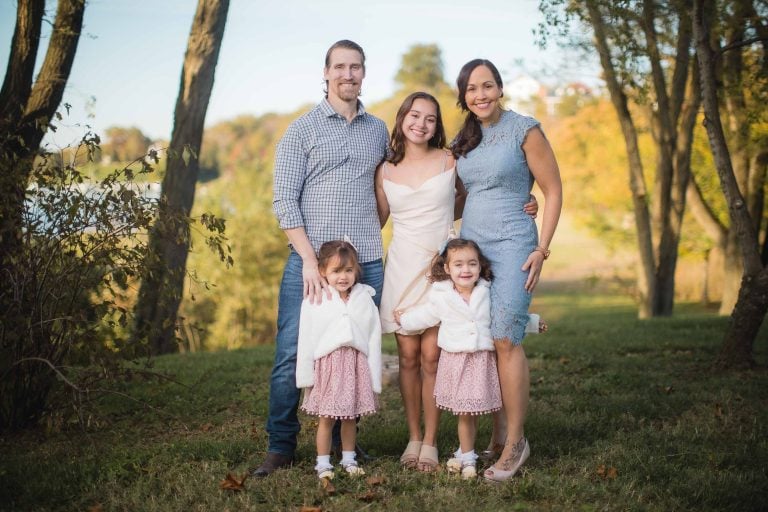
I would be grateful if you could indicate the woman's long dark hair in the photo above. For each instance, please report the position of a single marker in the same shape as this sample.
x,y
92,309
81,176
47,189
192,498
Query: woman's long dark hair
x,y
397,142
471,133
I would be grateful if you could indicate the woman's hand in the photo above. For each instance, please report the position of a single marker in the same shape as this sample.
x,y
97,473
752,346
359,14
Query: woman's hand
x,y
397,314
533,266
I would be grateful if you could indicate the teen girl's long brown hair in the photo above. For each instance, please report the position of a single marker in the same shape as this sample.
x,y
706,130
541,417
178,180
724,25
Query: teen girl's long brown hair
x,y
397,141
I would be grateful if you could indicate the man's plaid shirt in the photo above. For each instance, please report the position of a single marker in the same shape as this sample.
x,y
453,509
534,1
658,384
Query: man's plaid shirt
x,y
324,172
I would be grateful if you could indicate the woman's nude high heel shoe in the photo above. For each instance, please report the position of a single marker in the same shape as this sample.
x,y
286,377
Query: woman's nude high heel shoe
x,y
497,476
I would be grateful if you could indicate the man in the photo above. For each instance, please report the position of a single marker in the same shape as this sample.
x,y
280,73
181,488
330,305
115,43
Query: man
x,y
323,190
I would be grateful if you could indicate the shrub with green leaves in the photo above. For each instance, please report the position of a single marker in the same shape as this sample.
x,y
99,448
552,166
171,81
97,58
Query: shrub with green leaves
x,y
70,287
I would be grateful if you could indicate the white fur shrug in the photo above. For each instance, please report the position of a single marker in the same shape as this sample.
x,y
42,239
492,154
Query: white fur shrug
x,y
332,324
463,327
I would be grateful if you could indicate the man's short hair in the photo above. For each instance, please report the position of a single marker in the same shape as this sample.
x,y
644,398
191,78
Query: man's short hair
x,y
346,44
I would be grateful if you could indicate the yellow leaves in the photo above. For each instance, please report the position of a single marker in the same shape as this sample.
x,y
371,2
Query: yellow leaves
x,y
231,483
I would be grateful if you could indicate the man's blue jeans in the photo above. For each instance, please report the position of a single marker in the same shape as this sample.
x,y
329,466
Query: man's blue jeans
x,y
283,423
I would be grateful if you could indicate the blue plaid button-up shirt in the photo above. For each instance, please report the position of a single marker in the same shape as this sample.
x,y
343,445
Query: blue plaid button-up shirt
x,y
324,170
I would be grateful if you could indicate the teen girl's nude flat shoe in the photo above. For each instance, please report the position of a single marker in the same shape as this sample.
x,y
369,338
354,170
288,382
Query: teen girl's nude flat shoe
x,y
427,459
410,456
496,476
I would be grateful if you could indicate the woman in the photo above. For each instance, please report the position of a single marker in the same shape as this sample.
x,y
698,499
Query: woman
x,y
499,155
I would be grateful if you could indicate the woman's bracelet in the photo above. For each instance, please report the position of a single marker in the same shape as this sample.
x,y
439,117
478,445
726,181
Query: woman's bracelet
x,y
542,250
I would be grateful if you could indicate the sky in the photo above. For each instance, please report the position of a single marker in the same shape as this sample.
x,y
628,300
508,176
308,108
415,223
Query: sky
x,y
128,63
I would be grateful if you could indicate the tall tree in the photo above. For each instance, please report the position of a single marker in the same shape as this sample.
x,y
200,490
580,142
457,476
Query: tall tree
x,y
752,303
26,108
742,71
161,287
125,144
421,68
644,51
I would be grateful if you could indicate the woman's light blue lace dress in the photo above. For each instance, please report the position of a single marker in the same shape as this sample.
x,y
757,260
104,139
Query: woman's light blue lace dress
x,y
499,182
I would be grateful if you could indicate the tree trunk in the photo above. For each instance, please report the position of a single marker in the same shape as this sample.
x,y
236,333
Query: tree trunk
x,y
21,64
672,122
646,278
664,135
162,286
752,304
733,272
747,317
26,110
26,107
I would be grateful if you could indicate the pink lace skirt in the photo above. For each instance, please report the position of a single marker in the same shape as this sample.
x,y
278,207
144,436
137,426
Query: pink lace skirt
x,y
342,387
468,382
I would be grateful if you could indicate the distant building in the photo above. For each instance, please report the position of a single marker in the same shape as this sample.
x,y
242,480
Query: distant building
x,y
524,93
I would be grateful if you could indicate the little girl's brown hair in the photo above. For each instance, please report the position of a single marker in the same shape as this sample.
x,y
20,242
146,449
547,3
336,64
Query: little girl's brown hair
x,y
346,253
438,272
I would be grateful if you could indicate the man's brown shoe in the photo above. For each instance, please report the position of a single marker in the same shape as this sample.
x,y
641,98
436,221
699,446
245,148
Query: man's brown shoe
x,y
271,462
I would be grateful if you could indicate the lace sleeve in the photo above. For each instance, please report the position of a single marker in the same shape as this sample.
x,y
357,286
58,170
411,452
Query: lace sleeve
x,y
523,128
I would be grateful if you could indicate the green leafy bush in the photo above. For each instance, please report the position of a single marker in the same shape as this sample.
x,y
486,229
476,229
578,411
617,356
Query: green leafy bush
x,y
71,283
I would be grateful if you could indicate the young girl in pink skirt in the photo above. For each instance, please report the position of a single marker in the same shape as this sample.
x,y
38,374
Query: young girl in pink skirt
x,y
339,355
467,381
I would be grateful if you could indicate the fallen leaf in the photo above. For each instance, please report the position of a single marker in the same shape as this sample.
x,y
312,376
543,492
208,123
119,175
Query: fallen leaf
x,y
327,486
564,360
668,389
607,473
231,483
718,410
310,509
375,480
206,427
367,496
96,508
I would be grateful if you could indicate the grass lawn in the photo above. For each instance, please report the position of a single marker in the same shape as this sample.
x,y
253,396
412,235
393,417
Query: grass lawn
x,y
624,415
